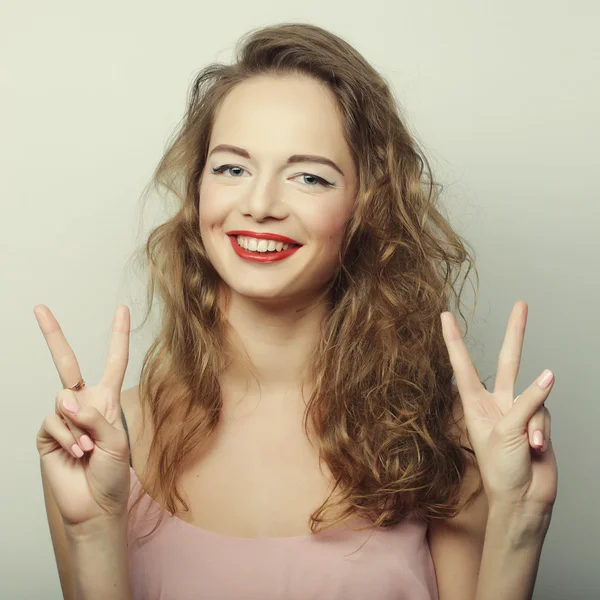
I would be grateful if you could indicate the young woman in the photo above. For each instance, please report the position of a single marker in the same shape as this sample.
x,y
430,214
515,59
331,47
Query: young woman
x,y
295,433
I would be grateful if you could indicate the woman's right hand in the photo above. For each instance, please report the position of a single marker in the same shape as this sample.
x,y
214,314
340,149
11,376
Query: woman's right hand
x,y
97,483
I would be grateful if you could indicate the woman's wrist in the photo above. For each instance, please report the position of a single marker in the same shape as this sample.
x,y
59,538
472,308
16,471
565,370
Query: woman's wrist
x,y
95,529
523,524
99,559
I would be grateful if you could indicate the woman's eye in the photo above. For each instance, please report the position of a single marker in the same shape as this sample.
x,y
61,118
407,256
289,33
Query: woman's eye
x,y
319,180
315,179
220,170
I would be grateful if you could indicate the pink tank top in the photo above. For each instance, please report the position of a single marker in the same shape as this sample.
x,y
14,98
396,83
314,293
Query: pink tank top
x,y
180,561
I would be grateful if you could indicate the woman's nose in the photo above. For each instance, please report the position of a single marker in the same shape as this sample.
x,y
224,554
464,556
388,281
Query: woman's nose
x,y
265,200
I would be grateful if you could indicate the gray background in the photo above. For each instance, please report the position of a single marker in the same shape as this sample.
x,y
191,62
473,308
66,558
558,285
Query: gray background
x,y
503,96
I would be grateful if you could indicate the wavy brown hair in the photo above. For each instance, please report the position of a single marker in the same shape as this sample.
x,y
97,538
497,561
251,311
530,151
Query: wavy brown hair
x,y
382,403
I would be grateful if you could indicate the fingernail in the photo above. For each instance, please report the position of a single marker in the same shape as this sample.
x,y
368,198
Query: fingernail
x,y
70,405
538,438
545,379
76,450
86,442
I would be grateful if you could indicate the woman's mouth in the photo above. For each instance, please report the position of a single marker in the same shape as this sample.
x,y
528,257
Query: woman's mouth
x,y
264,250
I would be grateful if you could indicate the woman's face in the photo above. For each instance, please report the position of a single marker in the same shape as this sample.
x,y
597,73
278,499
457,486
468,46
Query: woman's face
x,y
269,120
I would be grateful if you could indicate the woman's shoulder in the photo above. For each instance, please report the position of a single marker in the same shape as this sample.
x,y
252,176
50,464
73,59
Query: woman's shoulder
x,y
130,402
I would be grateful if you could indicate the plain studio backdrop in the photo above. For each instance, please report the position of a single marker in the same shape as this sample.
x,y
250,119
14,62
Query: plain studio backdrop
x,y
503,97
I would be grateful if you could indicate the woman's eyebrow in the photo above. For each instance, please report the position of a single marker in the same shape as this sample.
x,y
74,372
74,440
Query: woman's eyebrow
x,y
296,158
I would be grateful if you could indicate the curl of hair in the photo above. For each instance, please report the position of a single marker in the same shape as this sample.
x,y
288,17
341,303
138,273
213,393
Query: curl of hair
x,y
383,397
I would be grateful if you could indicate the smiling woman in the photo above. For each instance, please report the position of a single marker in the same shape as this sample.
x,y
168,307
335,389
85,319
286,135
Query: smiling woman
x,y
271,118
296,431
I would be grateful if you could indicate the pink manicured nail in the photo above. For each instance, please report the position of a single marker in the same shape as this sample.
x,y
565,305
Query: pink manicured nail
x,y
76,450
86,443
71,406
545,379
538,438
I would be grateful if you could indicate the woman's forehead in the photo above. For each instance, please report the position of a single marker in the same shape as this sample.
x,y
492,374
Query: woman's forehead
x,y
275,118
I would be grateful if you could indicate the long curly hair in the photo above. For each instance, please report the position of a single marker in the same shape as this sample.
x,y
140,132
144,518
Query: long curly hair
x,y
382,402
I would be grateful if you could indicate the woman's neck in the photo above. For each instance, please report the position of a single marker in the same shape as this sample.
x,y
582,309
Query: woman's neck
x,y
271,346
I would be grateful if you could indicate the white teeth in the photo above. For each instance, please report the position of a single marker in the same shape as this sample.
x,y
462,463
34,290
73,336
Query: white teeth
x,y
255,245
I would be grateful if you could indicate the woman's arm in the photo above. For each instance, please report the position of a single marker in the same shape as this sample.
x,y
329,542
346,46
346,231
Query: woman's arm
x,y
493,560
99,560
511,554
486,552
59,541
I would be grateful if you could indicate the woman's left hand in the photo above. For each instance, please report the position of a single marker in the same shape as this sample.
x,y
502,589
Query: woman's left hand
x,y
516,471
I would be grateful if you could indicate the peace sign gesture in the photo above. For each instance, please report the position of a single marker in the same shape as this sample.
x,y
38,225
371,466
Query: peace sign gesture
x,y
515,469
82,444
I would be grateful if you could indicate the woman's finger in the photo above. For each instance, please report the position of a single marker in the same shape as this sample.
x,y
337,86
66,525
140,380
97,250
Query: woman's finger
x,y
467,377
66,406
103,434
62,354
118,350
509,358
54,429
530,403
547,429
536,429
